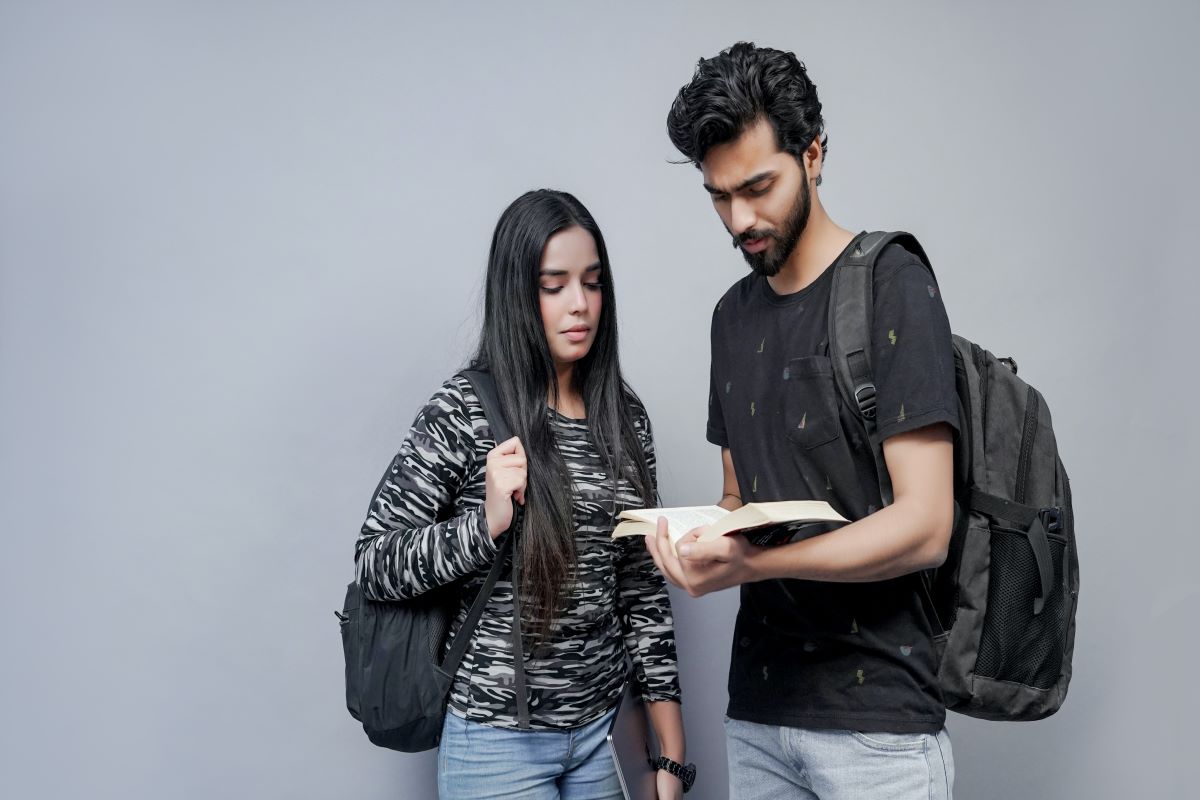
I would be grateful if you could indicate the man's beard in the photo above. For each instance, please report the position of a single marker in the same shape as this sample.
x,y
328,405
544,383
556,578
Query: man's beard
x,y
770,261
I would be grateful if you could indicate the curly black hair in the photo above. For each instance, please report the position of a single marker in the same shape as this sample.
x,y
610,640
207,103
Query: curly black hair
x,y
736,88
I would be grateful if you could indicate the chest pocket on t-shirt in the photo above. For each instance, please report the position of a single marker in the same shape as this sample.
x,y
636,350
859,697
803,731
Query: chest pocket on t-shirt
x,y
810,411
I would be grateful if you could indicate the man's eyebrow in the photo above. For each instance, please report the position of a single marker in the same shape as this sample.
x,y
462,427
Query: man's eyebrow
x,y
558,273
753,179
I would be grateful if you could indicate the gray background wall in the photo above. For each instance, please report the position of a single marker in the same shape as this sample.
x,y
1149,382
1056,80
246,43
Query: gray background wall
x,y
242,242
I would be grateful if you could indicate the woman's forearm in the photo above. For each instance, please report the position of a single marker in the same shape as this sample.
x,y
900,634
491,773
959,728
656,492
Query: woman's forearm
x,y
666,718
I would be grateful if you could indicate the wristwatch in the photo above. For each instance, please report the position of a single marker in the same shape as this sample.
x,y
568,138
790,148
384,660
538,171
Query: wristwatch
x,y
685,772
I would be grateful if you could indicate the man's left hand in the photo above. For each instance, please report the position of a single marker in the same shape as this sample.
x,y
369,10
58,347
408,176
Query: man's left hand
x,y
701,567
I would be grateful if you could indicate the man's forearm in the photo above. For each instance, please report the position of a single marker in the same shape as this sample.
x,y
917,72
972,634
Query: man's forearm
x,y
894,541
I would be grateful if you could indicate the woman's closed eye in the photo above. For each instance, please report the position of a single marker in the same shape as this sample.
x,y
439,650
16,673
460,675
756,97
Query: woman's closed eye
x,y
594,286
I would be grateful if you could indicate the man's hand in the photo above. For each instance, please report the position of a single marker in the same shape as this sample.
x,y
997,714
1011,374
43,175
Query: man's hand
x,y
702,567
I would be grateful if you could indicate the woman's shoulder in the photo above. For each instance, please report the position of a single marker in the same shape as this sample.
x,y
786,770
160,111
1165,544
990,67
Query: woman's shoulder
x,y
637,409
454,394
454,405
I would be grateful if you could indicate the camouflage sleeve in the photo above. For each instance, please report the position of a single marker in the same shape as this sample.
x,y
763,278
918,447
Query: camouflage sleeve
x,y
412,540
645,606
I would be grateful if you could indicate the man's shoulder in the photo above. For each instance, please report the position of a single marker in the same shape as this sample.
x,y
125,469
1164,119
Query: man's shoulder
x,y
894,259
739,294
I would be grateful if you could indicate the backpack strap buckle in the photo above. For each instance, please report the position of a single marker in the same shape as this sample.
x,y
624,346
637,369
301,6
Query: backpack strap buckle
x,y
864,395
1051,519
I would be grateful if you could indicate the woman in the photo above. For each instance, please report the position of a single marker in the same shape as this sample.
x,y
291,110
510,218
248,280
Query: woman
x,y
581,453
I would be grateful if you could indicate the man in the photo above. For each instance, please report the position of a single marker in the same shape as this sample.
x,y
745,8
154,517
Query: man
x,y
832,685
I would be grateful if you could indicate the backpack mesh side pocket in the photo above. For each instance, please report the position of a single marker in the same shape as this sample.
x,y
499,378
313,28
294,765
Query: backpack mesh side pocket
x,y
1017,645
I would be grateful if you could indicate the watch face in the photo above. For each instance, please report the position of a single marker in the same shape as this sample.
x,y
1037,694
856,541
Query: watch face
x,y
688,775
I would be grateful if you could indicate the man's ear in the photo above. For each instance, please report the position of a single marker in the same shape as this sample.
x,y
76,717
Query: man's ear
x,y
814,160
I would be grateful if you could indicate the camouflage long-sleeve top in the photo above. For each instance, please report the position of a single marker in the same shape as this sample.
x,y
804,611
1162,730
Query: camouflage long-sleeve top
x,y
426,528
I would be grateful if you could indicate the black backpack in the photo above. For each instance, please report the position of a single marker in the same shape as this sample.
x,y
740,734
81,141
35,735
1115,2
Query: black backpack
x,y
395,684
1003,603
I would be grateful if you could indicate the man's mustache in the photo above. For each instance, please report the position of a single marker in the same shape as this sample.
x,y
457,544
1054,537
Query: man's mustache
x,y
752,236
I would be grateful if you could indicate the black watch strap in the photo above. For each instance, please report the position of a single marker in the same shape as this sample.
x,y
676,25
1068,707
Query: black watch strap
x,y
685,772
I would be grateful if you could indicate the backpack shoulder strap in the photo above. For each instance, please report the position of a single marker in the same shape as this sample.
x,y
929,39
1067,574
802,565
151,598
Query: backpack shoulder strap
x,y
851,306
485,388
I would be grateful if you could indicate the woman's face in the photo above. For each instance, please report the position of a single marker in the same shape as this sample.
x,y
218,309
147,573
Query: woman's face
x,y
570,294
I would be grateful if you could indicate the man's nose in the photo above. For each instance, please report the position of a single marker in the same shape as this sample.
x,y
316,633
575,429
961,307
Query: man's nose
x,y
741,216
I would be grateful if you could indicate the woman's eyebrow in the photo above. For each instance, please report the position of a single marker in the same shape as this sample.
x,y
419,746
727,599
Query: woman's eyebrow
x,y
553,273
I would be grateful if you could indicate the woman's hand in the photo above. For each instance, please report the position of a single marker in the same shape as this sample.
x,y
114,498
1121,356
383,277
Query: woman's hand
x,y
504,482
669,787
667,720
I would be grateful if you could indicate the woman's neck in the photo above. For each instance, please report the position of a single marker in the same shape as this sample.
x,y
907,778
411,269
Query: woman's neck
x,y
570,401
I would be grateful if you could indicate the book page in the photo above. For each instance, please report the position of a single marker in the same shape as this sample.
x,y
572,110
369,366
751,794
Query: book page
x,y
644,521
799,511
757,515
718,521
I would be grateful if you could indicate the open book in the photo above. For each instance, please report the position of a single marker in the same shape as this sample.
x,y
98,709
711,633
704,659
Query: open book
x,y
643,521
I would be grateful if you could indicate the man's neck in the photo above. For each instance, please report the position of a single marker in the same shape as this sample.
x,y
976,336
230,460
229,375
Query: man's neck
x,y
823,240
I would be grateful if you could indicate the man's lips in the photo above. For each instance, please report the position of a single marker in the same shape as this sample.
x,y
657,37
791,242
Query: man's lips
x,y
756,245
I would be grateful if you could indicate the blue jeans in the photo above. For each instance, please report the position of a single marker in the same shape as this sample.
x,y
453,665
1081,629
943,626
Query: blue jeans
x,y
769,762
478,761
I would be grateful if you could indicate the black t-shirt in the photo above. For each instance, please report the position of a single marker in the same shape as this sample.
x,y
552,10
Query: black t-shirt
x,y
854,656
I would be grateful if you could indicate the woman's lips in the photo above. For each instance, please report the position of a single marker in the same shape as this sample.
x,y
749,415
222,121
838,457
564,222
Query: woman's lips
x,y
577,334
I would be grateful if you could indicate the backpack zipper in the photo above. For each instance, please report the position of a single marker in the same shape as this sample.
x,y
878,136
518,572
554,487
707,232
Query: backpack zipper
x,y
1068,523
1031,413
981,368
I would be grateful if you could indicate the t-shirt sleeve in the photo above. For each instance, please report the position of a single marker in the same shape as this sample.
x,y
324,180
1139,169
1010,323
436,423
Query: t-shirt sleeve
x,y
716,416
912,355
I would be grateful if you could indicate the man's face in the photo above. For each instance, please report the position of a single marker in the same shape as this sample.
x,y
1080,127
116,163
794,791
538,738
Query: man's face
x,y
761,194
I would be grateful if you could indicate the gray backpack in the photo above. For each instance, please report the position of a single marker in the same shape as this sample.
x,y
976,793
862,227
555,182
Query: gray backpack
x,y
1003,604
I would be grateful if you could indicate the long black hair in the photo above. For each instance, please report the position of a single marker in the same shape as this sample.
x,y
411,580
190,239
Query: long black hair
x,y
513,347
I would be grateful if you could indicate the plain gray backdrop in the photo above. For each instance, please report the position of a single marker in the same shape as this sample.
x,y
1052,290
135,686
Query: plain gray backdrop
x,y
241,243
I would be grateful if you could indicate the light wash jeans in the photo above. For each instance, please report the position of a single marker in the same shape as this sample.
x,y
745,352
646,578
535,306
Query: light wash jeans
x,y
478,761
769,762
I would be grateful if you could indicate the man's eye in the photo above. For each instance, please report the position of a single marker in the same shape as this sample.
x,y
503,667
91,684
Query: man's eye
x,y
760,190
